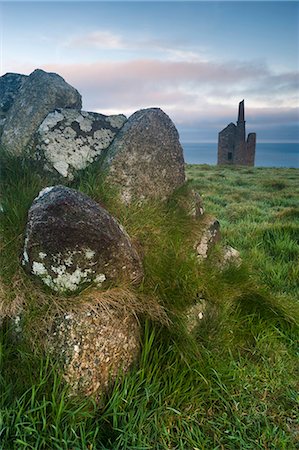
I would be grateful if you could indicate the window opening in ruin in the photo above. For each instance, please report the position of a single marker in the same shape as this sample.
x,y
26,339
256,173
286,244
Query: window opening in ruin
x,y
229,156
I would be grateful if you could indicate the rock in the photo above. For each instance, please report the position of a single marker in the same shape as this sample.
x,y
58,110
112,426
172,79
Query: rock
x,y
209,238
39,94
71,240
93,346
194,204
230,256
191,202
146,159
69,140
194,315
10,84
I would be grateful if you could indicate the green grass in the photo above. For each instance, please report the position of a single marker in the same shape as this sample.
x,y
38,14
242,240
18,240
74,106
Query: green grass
x,y
232,384
259,213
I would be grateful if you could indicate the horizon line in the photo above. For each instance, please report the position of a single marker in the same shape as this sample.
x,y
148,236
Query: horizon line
x,y
258,142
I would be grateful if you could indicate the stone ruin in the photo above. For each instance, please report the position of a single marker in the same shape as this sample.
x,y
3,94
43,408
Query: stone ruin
x,y
71,241
233,148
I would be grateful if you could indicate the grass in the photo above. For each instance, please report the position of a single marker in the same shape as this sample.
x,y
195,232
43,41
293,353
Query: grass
x,y
232,384
259,213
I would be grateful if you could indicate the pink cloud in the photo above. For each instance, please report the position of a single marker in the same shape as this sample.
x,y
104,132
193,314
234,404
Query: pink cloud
x,y
139,83
103,39
190,92
150,71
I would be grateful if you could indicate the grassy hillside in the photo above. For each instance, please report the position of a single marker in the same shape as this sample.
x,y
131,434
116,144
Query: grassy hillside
x,y
233,384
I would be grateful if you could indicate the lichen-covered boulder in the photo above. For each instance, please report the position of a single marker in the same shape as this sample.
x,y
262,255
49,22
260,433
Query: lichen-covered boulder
x,y
93,347
10,84
71,240
40,93
69,140
146,159
210,236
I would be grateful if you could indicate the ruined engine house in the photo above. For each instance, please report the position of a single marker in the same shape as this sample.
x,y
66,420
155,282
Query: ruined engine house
x,y
233,148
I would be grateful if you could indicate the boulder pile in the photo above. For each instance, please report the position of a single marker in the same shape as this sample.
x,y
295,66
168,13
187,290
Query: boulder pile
x,y
41,119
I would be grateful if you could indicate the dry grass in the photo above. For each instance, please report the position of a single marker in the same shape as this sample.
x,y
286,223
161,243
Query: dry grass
x,y
127,301
12,299
41,308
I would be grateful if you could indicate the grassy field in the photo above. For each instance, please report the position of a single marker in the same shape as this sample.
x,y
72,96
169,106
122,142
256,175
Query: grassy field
x,y
232,384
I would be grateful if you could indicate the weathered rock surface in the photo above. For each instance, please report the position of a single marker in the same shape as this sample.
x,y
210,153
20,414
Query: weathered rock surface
x,y
69,140
40,94
10,84
93,346
208,239
71,240
146,159
194,315
230,256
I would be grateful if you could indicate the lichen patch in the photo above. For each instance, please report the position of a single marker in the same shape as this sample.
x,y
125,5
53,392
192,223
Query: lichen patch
x,y
116,121
25,259
39,269
61,272
99,279
50,121
70,140
89,254
44,191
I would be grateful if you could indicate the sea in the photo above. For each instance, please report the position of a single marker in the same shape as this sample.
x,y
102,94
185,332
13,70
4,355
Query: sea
x,y
266,155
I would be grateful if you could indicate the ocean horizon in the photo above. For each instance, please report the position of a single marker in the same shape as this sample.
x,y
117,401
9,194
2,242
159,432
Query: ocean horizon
x,y
267,154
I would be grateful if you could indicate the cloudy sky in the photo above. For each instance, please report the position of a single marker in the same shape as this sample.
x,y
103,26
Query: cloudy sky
x,y
196,60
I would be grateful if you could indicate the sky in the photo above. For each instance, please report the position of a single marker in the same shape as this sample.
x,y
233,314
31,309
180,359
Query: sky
x,y
195,60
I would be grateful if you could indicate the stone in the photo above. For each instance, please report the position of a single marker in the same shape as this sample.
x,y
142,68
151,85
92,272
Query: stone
x,y
194,205
191,202
72,241
69,140
194,315
145,160
229,256
10,84
39,94
93,346
210,236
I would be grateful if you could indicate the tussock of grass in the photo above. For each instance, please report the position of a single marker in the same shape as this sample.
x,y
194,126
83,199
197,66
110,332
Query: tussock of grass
x,y
288,214
231,384
274,185
12,298
125,300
